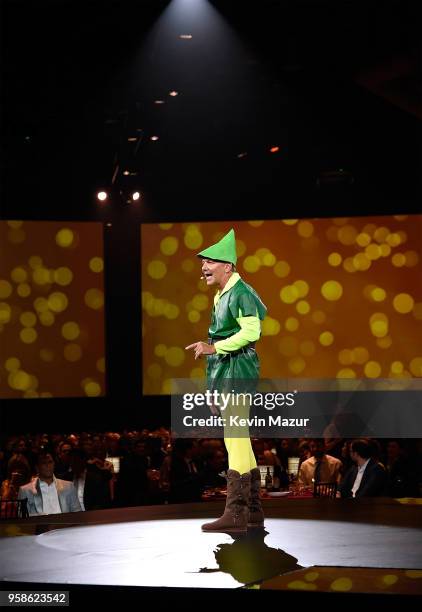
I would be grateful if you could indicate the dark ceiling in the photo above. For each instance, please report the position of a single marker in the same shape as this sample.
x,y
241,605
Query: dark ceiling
x,y
333,84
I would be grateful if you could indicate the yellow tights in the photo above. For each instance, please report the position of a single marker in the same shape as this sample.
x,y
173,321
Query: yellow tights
x,y
241,455
239,448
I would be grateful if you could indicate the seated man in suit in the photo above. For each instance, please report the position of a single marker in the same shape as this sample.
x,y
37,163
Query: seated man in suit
x,y
365,479
47,494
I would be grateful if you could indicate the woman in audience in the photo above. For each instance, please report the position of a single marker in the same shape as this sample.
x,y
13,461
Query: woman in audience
x,y
18,474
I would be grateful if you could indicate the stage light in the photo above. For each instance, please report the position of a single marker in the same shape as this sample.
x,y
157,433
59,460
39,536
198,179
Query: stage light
x,y
274,149
185,36
126,173
159,102
102,196
135,196
173,93
154,137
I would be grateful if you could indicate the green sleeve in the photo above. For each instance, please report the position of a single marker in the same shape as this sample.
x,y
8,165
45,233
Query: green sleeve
x,y
243,305
250,330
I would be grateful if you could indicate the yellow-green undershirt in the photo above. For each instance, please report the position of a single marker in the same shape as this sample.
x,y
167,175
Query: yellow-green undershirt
x,y
250,327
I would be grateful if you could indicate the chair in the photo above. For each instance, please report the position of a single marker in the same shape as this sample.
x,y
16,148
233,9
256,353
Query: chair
x,y
325,489
13,508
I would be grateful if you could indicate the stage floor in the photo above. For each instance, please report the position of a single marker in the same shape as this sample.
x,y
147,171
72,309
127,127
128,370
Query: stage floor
x,y
164,546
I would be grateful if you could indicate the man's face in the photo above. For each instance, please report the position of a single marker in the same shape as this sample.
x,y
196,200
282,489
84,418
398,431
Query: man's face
x,y
305,452
345,450
21,446
46,467
317,449
285,445
354,456
65,453
215,271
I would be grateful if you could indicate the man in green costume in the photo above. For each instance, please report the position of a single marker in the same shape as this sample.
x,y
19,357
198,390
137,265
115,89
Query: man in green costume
x,y
231,356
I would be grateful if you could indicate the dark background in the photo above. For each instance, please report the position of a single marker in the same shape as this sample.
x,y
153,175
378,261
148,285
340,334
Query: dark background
x,y
334,84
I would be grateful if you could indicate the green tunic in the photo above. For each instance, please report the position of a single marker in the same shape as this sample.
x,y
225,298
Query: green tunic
x,y
241,300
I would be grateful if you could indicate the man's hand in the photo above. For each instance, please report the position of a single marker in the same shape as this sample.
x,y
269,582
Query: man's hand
x,y
201,348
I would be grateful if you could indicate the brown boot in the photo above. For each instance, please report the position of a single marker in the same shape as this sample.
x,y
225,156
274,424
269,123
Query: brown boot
x,y
235,517
256,514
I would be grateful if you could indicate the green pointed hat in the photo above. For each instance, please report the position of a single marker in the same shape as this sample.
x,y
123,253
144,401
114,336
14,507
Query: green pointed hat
x,y
224,250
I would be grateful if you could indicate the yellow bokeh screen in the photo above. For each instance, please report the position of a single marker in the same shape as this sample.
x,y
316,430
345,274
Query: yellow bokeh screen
x,y
344,296
51,309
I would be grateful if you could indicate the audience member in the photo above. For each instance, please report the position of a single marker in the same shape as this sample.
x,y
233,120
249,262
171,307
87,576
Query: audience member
x,y
91,483
304,451
264,454
47,494
215,464
143,452
346,460
62,463
367,478
333,447
132,483
319,467
185,483
285,449
18,474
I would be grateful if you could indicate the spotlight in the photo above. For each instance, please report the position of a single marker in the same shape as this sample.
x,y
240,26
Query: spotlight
x,y
135,196
154,137
102,196
173,93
